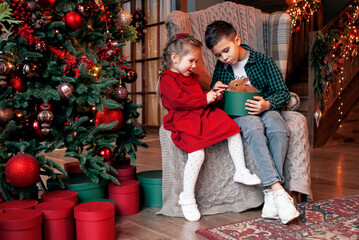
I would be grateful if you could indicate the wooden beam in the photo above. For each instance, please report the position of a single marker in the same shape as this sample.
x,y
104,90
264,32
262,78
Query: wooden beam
x,y
184,5
312,103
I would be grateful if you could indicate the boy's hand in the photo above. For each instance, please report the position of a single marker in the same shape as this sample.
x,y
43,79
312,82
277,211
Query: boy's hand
x,y
257,106
220,85
214,95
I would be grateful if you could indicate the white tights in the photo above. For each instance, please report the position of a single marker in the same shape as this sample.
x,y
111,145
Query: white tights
x,y
195,161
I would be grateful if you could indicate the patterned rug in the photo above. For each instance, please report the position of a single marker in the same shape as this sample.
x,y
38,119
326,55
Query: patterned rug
x,y
326,219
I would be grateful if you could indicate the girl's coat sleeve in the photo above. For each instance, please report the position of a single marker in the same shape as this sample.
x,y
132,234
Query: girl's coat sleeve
x,y
182,97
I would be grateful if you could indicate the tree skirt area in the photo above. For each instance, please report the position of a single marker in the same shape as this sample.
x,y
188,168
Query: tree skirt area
x,y
325,219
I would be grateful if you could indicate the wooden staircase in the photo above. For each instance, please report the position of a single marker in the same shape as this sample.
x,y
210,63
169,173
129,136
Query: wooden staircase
x,y
299,80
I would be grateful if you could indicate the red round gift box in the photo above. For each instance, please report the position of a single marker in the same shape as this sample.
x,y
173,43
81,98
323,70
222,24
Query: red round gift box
x,y
18,204
125,172
95,221
21,224
60,195
58,218
126,196
73,167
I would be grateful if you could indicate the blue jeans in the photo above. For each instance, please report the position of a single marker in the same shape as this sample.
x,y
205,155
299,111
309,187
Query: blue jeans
x,y
267,136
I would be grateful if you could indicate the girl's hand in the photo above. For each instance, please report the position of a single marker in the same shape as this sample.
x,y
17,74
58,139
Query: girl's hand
x,y
257,106
220,85
214,95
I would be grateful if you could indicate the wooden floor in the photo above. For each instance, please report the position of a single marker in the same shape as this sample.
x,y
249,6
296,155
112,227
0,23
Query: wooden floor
x,y
334,169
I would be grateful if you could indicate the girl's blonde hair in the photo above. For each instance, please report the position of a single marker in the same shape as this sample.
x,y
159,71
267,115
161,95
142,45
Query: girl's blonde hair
x,y
180,44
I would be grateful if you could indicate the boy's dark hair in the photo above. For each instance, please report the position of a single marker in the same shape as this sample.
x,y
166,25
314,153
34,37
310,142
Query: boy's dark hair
x,y
216,30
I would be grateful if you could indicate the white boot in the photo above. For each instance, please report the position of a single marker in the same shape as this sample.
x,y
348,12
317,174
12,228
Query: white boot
x,y
286,209
244,176
189,208
269,209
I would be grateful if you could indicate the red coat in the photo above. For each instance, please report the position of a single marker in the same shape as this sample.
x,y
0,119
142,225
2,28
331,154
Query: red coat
x,y
194,124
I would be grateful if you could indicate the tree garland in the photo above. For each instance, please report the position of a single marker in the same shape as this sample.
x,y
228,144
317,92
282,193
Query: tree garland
x,y
139,21
331,49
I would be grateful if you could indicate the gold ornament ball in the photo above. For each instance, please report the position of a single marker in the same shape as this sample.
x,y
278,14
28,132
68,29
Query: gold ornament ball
x,y
124,18
6,115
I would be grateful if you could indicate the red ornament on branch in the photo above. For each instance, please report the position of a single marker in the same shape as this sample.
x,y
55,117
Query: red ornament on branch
x,y
45,3
73,20
18,84
22,170
121,93
109,116
130,77
105,153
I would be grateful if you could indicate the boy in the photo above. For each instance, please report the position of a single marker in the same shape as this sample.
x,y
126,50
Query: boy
x,y
264,129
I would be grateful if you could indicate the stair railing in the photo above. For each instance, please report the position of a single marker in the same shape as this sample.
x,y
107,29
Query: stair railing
x,y
333,74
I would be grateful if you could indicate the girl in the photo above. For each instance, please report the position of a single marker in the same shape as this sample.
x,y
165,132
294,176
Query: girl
x,y
194,123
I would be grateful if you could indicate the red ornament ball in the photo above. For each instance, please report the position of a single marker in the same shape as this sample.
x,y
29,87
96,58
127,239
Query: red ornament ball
x,y
130,77
73,20
18,84
105,153
109,116
121,93
22,170
45,3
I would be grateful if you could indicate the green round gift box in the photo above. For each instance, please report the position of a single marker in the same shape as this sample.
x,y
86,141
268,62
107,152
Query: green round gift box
x,y
85,189
234,102
150,188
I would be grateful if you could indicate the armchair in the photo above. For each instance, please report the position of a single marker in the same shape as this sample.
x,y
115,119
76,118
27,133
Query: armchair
x,y
216,192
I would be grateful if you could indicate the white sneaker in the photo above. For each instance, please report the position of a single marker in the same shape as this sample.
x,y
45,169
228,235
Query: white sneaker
x,y
269,209
245,177
189,208
286,209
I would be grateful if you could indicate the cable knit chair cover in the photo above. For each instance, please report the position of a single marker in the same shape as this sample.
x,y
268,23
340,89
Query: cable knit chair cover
x,y
216,192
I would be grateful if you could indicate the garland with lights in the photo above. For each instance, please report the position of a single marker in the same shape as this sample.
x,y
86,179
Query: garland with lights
x,y
301,11
329,53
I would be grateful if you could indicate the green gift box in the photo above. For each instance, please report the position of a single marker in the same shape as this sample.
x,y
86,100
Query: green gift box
x,y
234,102
150,188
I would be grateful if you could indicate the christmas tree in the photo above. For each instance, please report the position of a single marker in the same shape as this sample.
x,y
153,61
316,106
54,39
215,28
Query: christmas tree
x,y
63,85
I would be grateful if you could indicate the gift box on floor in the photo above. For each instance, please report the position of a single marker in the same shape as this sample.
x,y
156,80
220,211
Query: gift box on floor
x,y
18,204
69,195
58,220
73,168
21,224
85,188
126,197
150,188
82,185
125,172
99,200
95,221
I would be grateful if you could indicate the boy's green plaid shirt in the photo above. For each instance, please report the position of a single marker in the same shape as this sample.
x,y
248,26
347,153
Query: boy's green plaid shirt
x,y
263,74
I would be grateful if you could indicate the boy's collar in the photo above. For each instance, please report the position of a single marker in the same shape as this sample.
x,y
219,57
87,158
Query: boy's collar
x,y
250,59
